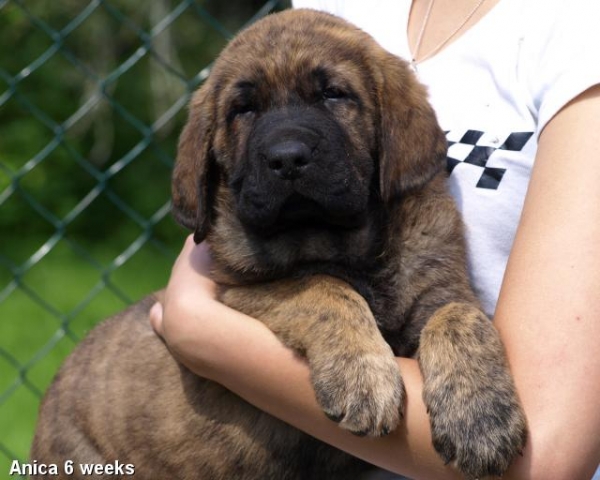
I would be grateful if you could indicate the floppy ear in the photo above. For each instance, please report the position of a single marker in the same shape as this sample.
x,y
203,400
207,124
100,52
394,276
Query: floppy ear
x,y
191,184
412,146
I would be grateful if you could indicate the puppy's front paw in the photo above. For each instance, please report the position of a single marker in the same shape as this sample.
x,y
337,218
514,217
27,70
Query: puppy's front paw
x,y
362,391
476,419
480,431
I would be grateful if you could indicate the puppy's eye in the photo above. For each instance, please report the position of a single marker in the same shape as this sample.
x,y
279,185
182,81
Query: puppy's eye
x,y
241,110
334,93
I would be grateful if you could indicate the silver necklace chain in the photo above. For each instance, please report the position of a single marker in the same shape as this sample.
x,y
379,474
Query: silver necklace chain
x,y
416,60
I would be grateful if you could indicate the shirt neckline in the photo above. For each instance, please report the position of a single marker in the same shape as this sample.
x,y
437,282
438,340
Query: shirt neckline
x,y
463,38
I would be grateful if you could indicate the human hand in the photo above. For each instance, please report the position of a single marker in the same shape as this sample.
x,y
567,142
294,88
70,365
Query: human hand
x,y
211,339
184,311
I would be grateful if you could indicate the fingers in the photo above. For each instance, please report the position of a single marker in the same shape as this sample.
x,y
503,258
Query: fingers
x,y
189,283
156,318
200,258
197,255
191,274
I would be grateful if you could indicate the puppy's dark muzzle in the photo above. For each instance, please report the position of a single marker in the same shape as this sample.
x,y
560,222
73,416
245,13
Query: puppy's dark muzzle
x,y
298,174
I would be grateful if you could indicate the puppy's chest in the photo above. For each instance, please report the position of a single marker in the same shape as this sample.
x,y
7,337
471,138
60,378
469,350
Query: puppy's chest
x,y
377,282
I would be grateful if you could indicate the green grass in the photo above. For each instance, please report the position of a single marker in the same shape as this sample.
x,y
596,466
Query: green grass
x,y
57,301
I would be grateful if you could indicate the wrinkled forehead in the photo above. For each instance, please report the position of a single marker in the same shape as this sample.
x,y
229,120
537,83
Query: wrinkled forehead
x,y
298,32
290,49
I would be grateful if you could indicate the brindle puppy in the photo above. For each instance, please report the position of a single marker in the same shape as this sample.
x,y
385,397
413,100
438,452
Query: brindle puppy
x,y
313,166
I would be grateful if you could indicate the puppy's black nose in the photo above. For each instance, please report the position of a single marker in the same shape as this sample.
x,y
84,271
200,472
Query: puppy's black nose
x,y
288,159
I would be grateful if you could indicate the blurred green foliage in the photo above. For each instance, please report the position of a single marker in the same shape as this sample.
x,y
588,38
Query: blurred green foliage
x,y
92,100
93,93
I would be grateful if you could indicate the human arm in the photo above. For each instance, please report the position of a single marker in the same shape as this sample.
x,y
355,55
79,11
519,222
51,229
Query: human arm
x,y
548,312
548,316
239,352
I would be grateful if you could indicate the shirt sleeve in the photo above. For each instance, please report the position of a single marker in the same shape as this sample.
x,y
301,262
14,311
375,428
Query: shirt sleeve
x,y
560,53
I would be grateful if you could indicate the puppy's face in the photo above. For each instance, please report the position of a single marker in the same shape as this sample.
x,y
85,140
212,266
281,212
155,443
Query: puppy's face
x,y
300,156
304,129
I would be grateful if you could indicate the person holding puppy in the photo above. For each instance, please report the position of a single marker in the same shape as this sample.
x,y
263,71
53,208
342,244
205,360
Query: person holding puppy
x,y
516,86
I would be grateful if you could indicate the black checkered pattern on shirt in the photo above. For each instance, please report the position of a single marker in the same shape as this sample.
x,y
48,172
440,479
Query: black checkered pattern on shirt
x,y
479,154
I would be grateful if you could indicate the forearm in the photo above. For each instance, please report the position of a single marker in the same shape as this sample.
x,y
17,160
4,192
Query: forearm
x,y
249,360
241,353
292,400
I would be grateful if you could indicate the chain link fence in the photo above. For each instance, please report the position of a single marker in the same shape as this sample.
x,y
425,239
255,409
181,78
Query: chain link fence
x,y
92,99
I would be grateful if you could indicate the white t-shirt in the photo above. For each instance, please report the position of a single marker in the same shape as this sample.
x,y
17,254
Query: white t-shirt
x,y
494,88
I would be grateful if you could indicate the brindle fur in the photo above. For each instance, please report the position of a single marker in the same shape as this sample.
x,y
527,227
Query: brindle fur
x,y
371,265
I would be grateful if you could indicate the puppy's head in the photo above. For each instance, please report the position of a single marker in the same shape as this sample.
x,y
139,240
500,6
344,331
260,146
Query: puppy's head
x,y
304,122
